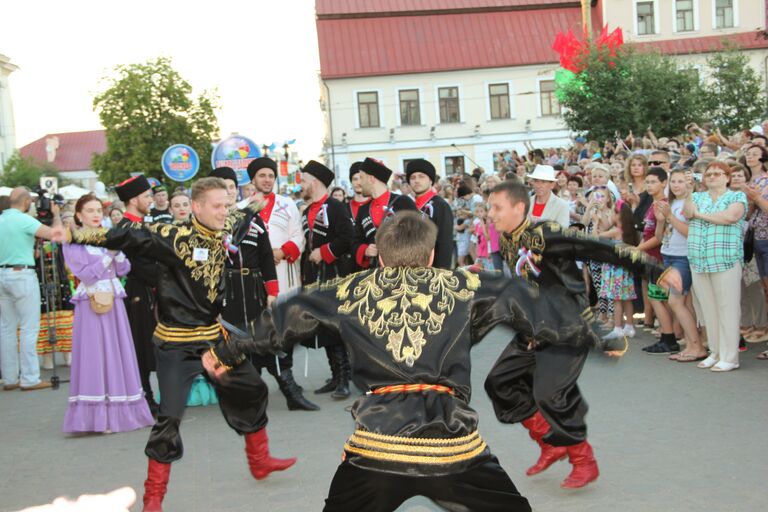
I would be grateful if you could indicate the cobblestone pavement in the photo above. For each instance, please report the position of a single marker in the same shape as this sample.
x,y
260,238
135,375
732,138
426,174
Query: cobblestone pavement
x,y
668,436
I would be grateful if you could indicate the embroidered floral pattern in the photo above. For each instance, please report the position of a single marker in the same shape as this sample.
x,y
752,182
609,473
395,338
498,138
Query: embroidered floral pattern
x,y
404,305
193,236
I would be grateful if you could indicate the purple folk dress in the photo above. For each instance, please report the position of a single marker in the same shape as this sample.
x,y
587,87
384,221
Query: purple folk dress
x,y
105,390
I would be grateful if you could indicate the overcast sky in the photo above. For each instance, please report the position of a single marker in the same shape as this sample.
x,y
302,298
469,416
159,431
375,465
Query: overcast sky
x,y
261,55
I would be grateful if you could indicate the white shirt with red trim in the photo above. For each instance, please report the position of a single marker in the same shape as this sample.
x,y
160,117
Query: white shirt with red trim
x,y
283,222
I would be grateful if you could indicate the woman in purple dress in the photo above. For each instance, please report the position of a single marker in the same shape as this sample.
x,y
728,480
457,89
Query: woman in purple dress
x,y
105,393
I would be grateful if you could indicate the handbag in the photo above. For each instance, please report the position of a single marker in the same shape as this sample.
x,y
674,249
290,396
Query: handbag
x,y
749,239
749,244
102,302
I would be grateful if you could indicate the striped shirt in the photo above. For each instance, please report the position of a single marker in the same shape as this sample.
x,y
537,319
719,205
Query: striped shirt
x,y
715,247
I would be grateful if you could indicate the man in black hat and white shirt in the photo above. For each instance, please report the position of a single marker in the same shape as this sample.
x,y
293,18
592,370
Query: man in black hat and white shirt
x,y
328,234
421,176
374,178
136,194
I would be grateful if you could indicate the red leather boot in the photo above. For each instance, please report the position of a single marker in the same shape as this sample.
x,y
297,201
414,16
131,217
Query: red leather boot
x,y
260,462
537,428
584,466
155,485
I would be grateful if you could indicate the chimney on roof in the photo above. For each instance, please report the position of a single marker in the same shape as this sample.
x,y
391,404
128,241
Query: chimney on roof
x,y
51,145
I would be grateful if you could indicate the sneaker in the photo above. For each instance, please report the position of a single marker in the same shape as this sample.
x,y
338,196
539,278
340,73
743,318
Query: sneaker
x,y
40,385
615,334
629,331
662,348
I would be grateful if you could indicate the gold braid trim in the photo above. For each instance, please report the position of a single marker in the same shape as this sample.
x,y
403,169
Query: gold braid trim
x,y
218,361
184,334
204,230
438,450
417,459
417,440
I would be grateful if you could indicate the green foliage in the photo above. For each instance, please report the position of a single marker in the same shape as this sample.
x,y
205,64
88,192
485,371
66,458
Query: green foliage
x,y
734,94
145,108
630,91
24,172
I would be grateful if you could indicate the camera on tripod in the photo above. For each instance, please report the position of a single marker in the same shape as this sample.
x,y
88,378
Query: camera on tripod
x,y
43,205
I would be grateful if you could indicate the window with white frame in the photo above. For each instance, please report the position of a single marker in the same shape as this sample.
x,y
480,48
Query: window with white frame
x,y
454,165
684,16
449,104
368,109
549,104
498,95
646,18
724,14
409,107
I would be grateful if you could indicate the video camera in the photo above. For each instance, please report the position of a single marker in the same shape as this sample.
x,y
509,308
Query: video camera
x,y
43,205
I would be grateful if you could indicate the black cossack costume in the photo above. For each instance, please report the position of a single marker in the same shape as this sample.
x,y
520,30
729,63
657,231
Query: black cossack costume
x,y
543,377
409,332
331,231
439,211
190,291
140,287
368,221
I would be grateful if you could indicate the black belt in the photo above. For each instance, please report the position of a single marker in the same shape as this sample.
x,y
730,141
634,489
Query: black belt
x,y
18,267
244,271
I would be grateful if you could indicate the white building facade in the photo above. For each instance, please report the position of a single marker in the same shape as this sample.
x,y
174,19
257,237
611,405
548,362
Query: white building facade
x,y
7,124
461,83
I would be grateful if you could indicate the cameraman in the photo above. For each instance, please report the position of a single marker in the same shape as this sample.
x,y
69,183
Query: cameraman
x,y
20,291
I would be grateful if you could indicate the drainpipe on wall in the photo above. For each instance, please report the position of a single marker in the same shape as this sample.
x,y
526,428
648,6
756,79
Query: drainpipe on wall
x,y
330,126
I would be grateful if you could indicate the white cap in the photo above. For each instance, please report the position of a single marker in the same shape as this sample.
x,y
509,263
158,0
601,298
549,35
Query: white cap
x,y
758,129
543,173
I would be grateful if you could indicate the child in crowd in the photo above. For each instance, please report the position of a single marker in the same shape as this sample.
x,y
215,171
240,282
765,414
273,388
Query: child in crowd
x,y
619,284
483,237
598,218
672,228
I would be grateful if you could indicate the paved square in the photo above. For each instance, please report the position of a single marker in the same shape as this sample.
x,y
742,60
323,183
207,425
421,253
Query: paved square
x,y
667,436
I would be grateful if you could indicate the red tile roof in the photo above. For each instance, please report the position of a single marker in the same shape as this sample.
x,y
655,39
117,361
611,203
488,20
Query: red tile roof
x,y
328,8
352,47
742,40
75,149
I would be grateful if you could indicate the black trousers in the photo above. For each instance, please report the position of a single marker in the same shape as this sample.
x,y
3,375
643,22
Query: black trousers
x,y
485,487
272,362
522,381
242,397
139,305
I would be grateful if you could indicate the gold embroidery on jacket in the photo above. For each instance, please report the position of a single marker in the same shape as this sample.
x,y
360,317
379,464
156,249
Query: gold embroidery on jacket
x,y
525,236
185,241
392,304
90,236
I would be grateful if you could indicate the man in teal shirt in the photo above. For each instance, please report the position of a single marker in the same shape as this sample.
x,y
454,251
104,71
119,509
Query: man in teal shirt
x,y
20,291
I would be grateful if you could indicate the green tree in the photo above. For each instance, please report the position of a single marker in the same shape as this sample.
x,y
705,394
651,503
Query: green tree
x,y
145,108
629,91
24,172
734,94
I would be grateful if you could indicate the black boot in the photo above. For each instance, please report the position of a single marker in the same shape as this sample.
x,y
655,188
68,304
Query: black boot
x,y
331,383
345,374
292,392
